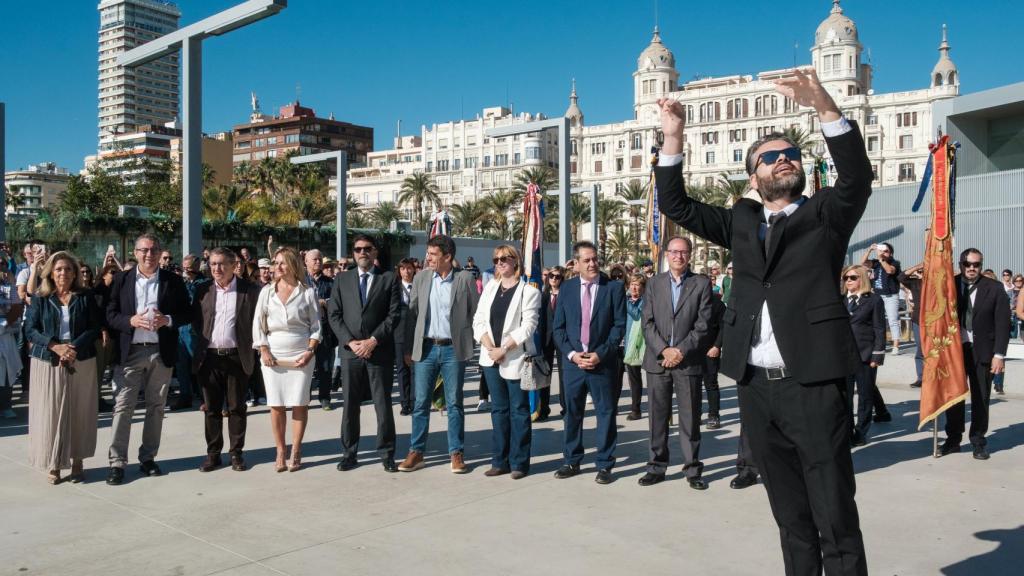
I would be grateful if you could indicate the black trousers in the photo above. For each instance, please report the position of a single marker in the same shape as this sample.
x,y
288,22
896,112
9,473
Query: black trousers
x,y
744,457
979,378
710,377
545,393
367,380
636,387
222,378
323,359
659,406
800,439
864,378
257,389
403,374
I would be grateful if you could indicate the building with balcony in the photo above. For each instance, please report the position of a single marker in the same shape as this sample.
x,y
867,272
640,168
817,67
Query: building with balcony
x,y
35,188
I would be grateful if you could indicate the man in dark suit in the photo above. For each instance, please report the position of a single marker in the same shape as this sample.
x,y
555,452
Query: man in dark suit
x,y
589,324
364,310
981,305
787,339
146,307
678,330
406,272
223,311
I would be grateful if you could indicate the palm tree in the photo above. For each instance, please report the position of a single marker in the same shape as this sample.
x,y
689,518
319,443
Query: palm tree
x,y
244,175
352,204
732,189
543,176
501,204
802,138
622,244
635,191
551,218
358,219
471,218
417,189
609,212
384,214
226,204
580,206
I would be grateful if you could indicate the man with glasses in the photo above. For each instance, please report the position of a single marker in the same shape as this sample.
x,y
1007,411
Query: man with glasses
x,y
364,312
166,260
146,307
324,360
787,339
679,330
885,272
183,369
981,305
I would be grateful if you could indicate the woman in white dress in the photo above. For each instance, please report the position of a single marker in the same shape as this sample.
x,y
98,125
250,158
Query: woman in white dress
x,y
286,331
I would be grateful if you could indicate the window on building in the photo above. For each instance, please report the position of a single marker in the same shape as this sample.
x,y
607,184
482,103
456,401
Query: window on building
x,y
635,162
572,167
430,166
737,155
501,159
709,157
906,142
516,158
874,172
574,147
456,164
872,119
619,162
487,161
597,166
872,143
907,172
621,145
638,142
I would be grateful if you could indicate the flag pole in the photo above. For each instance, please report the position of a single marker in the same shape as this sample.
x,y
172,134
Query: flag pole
x,y
935,438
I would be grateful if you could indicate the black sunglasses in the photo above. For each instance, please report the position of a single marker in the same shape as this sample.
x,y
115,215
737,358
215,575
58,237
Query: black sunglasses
x,y
555,276
363,249
968,264
503,259
851,277
792,154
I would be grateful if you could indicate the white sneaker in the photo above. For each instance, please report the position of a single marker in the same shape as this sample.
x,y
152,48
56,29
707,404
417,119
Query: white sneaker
x,y
483,406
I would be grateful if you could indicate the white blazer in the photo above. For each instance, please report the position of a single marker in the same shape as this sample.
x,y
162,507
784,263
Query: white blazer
x,y
520,324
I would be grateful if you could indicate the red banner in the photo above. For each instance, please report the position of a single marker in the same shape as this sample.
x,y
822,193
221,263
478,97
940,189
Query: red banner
x,y
944,382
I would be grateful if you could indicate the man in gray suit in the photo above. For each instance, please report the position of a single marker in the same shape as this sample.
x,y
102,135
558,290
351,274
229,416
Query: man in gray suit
x,y
364,312
443,302
674,358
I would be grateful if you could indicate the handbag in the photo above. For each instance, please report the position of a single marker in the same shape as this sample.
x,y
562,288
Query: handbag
x,y
534,372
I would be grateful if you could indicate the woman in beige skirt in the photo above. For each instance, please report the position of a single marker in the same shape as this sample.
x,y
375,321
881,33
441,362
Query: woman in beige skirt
x,y
62,325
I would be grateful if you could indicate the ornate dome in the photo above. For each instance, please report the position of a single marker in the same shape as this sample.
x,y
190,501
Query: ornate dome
x,y
945,71
573,113
656,55
836,28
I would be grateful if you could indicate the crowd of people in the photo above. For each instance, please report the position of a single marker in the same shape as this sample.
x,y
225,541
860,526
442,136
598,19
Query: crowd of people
x,y
237,330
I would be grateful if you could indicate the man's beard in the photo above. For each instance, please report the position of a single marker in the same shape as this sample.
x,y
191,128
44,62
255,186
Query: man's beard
x,y
789,186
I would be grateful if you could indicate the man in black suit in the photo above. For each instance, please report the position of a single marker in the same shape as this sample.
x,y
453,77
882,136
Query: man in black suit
x,y
590,321
981,305
678,330
223,358
787,339
364,311
147,306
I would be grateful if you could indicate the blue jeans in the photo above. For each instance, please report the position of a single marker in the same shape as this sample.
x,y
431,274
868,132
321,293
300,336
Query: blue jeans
x,y
511,430
438,360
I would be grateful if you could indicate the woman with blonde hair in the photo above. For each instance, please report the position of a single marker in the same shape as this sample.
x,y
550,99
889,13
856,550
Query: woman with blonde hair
x,y
62,325
505,321
286,331
867,319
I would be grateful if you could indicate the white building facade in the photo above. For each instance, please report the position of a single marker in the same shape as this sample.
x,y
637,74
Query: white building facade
x,y
37,187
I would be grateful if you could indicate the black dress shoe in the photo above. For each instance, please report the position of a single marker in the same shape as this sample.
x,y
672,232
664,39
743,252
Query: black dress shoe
x,y
650,479
742,481
714,423
567,471
633,416
603,476
211,463
405,412
697,483
389,465
883,417
115,476
980,453
238,464
495,471
149,468
916,384
948,447
517,475
347,464
858,439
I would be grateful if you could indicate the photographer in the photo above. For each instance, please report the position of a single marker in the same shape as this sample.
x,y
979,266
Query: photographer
x,y
885,271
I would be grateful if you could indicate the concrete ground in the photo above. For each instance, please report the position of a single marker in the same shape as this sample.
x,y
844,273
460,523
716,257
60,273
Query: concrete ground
x,y
920,516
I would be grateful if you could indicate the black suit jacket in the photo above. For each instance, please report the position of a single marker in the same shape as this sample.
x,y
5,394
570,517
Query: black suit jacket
x,y
867,320
351,320
204,311
798,277
990,321
172,300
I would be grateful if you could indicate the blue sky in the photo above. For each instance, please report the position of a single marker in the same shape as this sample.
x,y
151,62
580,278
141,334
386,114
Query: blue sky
x,y
376,62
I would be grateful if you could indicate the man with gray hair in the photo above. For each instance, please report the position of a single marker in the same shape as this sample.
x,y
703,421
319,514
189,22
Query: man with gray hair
x,y
146,307
324,360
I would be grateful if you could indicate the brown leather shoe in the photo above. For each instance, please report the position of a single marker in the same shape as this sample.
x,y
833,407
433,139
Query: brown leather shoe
x,y
412,462
238,464
458,465
211,463
493,471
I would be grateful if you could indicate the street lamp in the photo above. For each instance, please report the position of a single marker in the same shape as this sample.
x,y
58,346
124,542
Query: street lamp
x,y
341,162
564,246
190,41
3,177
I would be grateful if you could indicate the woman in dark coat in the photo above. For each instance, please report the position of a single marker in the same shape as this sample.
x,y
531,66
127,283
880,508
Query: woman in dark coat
x,y
867,319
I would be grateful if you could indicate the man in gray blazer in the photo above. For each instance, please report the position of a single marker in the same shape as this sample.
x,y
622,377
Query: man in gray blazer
x,y
442,303
674,359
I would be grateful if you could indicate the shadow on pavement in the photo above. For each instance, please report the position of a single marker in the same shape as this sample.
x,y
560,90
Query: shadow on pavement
x,y
999,561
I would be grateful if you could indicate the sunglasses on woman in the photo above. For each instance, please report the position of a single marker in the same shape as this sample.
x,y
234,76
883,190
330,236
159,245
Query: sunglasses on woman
x,y
555,277
504,260
848,278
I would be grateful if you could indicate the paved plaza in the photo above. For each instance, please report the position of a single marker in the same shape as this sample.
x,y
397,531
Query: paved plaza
x,y
920,516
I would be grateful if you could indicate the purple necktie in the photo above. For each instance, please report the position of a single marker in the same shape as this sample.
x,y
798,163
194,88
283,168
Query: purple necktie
x,y
585,323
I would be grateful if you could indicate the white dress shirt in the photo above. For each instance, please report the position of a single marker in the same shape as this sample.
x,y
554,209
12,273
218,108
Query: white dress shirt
x,y
146,292
369,278
223,334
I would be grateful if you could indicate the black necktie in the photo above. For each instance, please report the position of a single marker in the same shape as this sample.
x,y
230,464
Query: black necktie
x,y
852,304
968,317
772,221
362,288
